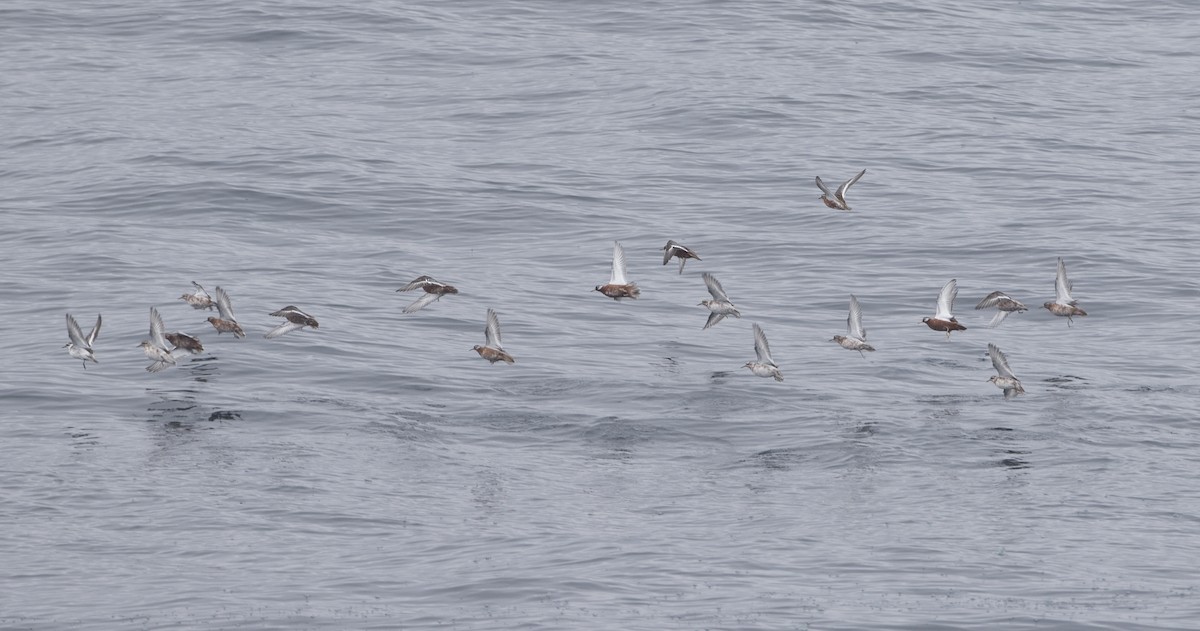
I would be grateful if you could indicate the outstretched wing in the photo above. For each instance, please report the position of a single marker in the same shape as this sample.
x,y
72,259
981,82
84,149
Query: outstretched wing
x,y
421,302
1062,286
713,318
668,251
854,321
491,332
619,274
824,189
761,348
714,287
945,302
992,300
998,318
157,330
74,333
223,305
1000,362
287,327
418,283
841,192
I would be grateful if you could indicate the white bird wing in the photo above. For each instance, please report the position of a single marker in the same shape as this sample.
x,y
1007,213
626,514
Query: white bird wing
x,y
287,327
997,319
945,303
854,320
761,348
619,274
417,284
714,287
74,333
223,305
992,300
491,332
157,330
1062,286
824,189
421,302
91,338
841,192
200,290
1000,362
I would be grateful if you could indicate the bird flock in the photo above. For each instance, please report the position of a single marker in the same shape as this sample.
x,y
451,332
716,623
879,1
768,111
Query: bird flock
x,y
165,349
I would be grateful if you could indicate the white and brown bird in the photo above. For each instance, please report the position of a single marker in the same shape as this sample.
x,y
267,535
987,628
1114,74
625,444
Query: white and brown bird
x,y
764,366
492,350
296,319
855,338
226,323
1004,303
837,199
943,319
719,306
681,252
1064,305
619,286
1004,377
199,299
434,290
80,347
156,348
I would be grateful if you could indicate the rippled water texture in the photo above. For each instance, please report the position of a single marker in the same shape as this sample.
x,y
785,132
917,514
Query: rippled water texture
x,y
626,472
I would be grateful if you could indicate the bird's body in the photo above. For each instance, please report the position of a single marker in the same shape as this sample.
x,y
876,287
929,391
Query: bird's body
x,y
1004,303
492,350
199,299
1064,305
1004,377
80,347
156,347
619,286
719,306
764,366
296,319
226,323
855,338
433,288
682,252
943,319
837,199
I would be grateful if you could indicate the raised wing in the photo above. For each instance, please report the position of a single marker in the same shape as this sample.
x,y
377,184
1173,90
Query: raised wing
x,y
619,274
1062,286
824,189
74,333
761,348
223,305
157,330
714,287
945,302
841,192
854,320
491,332
668,251
1000,362
91,338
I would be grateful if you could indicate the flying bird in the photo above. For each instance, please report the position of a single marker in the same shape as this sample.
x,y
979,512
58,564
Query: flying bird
x,y
943,319
681,252
1064,305
434,290
1004,379
1002,301
719,306
226,323
492,349
619,286
80,347
764,366
296,319
856,336
837,200
199,299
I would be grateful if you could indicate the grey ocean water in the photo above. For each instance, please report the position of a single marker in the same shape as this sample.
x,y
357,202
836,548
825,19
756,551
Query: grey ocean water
x,y
626,472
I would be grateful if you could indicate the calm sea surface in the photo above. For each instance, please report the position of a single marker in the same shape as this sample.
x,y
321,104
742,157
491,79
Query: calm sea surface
x,y
626,472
